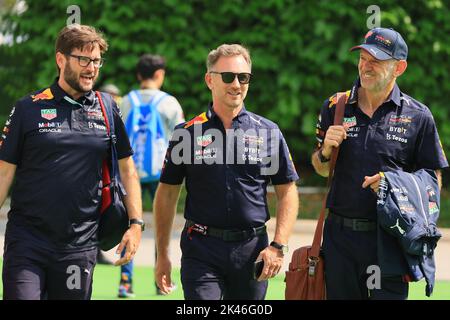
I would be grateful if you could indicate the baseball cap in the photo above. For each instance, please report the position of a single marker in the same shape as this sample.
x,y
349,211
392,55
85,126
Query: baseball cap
x,y
384,44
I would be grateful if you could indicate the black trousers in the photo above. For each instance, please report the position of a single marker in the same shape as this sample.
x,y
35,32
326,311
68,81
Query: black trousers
x,y
347,255
31,272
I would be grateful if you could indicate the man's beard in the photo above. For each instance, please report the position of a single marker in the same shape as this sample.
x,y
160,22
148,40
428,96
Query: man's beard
x,y
73,80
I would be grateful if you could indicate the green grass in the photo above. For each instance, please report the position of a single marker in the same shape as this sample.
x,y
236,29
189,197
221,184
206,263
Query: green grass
x,y
106,280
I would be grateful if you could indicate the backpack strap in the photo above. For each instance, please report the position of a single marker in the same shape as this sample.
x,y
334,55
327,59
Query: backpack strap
x,y
156,121
135,98
157,98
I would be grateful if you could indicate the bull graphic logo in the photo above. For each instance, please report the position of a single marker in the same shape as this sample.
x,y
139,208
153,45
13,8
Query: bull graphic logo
x,y
44,95
202,118
368,34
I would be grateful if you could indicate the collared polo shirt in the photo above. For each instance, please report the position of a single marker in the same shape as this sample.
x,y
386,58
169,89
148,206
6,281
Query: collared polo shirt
x,y
401,135
58,145
227,172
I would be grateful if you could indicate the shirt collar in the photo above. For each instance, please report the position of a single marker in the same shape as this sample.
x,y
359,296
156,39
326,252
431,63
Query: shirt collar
x,y
87,99
394,96
353,98
211,114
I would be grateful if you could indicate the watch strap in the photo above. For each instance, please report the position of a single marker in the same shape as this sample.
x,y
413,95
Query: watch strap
x,y
322,157
139,222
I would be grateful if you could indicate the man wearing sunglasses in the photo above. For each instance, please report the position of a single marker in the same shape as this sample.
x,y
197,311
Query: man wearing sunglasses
x,y
54,144
228,157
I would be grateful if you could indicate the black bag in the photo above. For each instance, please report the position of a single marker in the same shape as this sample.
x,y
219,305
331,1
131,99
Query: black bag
x,y
113,213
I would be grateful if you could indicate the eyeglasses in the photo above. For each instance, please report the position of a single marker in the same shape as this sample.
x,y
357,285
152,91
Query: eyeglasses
x,y
228,77
85,61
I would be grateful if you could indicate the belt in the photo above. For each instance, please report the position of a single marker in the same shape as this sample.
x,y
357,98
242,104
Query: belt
x,y
225,235
354,224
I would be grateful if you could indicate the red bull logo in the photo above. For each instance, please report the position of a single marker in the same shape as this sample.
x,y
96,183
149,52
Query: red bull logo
x,y
197,120
383,40
368,34
44,95
333,98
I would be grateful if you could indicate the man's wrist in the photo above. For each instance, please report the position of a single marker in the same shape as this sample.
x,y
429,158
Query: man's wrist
x,y
139,223
323,158
283,248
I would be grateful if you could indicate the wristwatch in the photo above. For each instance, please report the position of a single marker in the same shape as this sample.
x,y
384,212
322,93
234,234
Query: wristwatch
x,y
282,247
322,157
139,222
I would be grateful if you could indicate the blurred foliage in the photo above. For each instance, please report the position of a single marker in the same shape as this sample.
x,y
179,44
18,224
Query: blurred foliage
x,y
299,50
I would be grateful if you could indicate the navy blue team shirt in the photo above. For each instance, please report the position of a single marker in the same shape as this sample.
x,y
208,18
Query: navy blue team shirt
x,y
225,193
401,135
58,145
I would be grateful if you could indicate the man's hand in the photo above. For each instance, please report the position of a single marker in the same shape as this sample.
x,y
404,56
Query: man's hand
x,y
372,181
163,269
130,241
273,261
333,138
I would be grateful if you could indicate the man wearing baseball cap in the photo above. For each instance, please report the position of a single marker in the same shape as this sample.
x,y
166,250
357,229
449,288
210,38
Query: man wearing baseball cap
x,y
384,129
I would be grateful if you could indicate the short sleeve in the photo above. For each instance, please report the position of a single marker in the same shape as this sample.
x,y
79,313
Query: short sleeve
x,y
324,121
285,172
429,152
11,140
174,170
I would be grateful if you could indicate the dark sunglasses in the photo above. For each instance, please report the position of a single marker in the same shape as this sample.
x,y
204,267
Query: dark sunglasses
x,y
228,77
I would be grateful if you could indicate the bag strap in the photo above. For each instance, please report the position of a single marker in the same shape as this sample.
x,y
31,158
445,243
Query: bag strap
x,y
338,120
156,121
109,122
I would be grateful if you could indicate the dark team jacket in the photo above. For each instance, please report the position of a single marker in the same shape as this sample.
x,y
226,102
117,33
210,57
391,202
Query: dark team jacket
x,y
227,175
408,210
58,145
401,135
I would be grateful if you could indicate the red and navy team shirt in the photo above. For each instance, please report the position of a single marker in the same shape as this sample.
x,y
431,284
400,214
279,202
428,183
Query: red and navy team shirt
x,y
401,135
58,145
227,186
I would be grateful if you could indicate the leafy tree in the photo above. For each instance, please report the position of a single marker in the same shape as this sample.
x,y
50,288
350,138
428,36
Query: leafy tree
x,y
299,50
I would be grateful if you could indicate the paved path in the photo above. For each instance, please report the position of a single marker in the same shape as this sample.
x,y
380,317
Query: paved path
x,y
302,235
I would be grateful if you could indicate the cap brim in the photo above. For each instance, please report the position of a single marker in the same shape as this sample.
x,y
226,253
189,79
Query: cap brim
x,y
373,51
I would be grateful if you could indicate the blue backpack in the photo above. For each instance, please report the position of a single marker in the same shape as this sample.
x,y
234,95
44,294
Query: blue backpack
x,y
147,137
